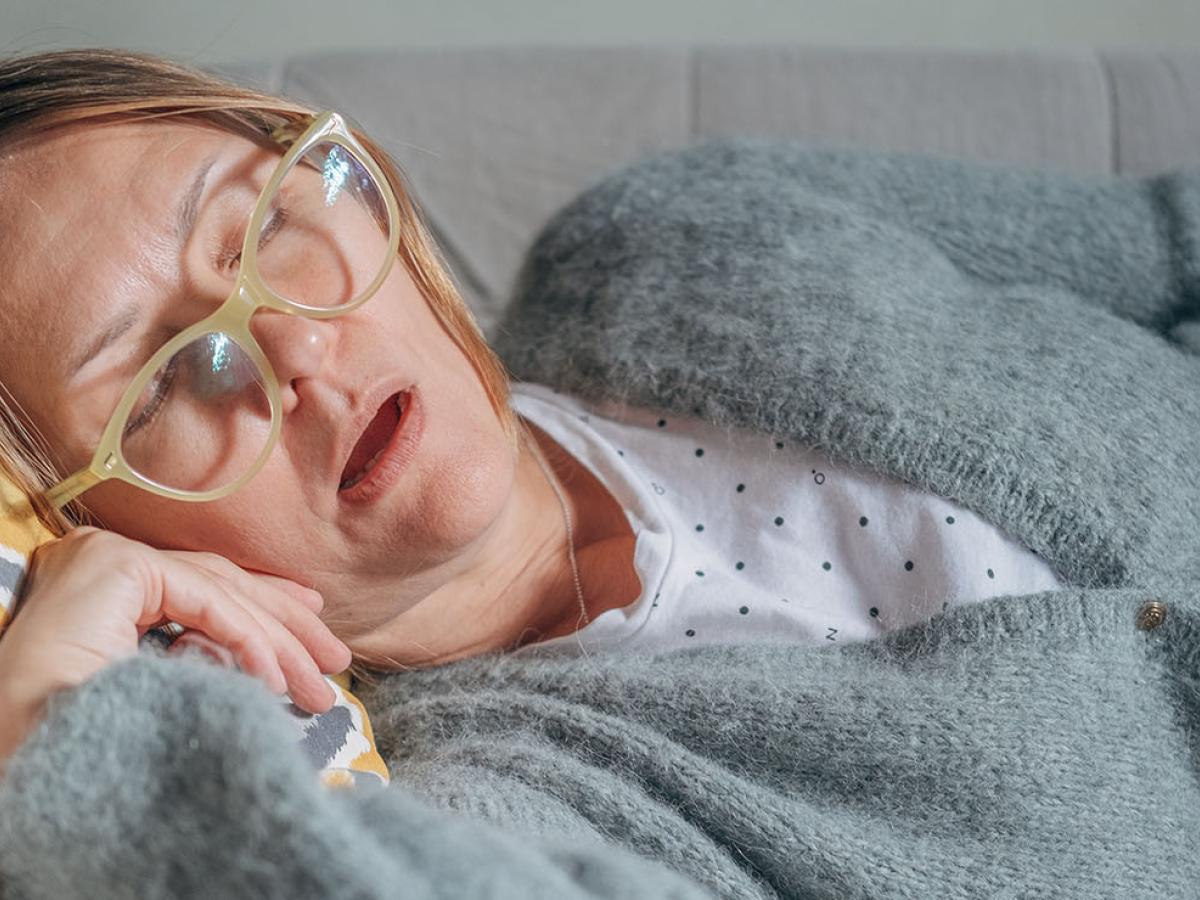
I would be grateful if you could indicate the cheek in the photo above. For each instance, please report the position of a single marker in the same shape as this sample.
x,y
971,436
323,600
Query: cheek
x,y
234,526
464,486
140,515
466,472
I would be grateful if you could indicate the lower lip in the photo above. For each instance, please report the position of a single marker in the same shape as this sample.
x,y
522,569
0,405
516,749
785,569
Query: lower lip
x,y
400,449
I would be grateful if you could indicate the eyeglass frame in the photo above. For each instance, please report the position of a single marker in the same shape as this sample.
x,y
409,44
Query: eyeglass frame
x,y
232,318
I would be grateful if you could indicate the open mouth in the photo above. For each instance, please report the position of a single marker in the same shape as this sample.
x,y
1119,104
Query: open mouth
x,y
374,442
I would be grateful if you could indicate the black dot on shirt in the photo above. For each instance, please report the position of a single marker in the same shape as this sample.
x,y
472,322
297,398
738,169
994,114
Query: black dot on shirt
x,y
826,566
699,527
691,632
740,565
740,488
779,520
779,445
744,610
908,566
991,574
662,423
874,612
698,572
862,520
699,451
620,453
949,520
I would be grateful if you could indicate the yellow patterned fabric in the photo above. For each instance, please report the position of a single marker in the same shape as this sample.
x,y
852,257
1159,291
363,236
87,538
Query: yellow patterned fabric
x,y
340,742
21,532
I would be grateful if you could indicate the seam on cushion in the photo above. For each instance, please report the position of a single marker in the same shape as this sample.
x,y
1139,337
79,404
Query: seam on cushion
x,y
277,74
1177,234
693,87
282,77
1112,107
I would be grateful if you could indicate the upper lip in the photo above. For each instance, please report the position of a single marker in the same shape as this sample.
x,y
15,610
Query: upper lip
x,y
360,416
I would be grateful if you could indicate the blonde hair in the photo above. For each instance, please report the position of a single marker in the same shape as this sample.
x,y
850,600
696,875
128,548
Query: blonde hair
x,y
52,90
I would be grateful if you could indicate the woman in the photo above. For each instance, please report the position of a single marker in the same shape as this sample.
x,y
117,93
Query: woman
x,y
461,552
446,535
495,521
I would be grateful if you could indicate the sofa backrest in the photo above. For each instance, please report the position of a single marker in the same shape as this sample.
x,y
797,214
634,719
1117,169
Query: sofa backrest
x,y
495,139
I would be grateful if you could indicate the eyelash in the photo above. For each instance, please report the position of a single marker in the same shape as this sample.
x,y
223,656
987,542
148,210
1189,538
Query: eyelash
x,y
162,387
231,257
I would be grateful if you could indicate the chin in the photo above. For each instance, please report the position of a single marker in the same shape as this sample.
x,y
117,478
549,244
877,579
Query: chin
x,y
456,496
476,489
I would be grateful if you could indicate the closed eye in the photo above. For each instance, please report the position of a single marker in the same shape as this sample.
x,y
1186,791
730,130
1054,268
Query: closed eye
x,y
231,259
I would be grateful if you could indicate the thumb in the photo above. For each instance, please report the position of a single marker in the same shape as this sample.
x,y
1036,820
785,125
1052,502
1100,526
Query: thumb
x,y
190,638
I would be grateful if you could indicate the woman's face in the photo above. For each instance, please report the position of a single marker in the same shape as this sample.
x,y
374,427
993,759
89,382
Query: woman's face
x,y
90,219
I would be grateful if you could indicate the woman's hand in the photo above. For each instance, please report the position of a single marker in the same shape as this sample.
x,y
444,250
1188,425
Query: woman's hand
x,y
92,594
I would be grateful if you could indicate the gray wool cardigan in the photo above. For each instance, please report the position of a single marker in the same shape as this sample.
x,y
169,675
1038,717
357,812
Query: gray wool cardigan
x,y
1023,343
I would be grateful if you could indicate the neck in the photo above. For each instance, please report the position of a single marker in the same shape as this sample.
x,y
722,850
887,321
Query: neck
x,y
518,588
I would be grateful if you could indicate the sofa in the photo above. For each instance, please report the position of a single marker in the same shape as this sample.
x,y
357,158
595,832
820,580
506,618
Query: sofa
x,y
495,139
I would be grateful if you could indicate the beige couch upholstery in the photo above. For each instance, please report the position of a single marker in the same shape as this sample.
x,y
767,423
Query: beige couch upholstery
x,y
495,139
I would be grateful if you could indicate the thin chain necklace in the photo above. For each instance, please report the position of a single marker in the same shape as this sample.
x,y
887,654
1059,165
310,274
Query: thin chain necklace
x,y
570,534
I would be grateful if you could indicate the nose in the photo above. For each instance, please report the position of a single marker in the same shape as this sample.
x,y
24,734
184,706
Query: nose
x,y
296,347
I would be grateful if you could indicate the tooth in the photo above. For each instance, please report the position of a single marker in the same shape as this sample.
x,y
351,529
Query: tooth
x,y
370,464
351,482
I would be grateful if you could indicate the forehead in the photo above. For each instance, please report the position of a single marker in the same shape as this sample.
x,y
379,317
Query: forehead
x,y
85,211
104,147
101,169
87,222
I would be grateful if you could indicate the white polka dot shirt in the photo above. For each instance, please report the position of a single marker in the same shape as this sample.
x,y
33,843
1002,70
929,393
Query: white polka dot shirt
x,y
741,536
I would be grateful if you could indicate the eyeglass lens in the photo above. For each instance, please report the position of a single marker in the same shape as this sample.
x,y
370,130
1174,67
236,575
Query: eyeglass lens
x,y
204,419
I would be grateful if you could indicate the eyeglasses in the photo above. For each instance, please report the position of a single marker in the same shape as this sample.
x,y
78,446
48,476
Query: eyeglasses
x,y
202,415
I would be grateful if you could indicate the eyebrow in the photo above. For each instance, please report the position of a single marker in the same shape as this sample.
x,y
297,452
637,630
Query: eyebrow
x,y
185,221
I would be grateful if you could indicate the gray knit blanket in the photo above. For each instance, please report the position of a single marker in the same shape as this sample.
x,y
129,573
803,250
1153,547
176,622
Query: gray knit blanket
x,y
1023,343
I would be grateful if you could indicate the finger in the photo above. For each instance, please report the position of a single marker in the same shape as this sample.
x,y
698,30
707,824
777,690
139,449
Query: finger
x,y
195,599
214,562
310,597
325,648
307,687
305,683
207,645
327,651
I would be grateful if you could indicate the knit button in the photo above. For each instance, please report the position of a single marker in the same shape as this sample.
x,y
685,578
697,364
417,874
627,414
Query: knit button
x,y
1151,615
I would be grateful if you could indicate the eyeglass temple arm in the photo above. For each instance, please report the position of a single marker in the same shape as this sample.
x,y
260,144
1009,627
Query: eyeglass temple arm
x,y
71,487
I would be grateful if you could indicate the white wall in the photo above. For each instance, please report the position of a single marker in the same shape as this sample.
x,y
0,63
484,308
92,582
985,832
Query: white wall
x,y
223,30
